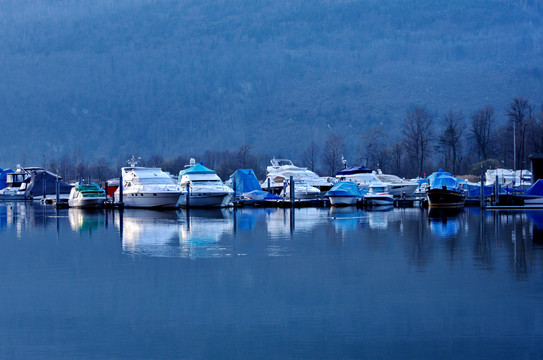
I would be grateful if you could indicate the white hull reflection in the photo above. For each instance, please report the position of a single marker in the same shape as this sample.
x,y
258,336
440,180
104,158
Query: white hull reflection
x,y
196,234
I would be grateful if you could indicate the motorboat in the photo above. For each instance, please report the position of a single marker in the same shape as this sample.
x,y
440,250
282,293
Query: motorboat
x,y
360,175
86,196
33,183
205,187
302,190
145,187
509,178
15,184
344,193
445,191
282,169
378,195
396,186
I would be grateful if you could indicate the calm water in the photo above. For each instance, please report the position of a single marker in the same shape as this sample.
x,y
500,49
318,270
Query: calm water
x,y
259,283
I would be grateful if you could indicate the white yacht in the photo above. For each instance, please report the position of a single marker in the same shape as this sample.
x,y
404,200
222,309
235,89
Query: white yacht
x,y
509,178
396,186
302,190
206,188
15,184
282,169
86,196
360,175
378,195
148,188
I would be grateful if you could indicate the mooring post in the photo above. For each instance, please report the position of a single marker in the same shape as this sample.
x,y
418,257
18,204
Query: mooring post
x,y
235,191
482,188
292,193
187,202
497,191
269,185
121,190
58,192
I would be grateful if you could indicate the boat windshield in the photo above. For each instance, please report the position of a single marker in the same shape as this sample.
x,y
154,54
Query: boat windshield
x,y
152,181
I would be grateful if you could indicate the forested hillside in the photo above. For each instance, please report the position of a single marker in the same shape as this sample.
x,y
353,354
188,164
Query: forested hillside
x,y
111,77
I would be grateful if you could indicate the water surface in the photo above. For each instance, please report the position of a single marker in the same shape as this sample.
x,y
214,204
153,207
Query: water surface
x,y
270,284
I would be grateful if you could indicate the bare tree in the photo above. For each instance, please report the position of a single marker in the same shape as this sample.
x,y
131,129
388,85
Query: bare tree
x,y
244,155
309,156
449,140
373,148
535,133
417,129
519,112
333,149
482,124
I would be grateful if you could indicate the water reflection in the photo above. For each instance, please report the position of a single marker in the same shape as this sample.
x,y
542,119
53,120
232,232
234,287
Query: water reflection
x,y
445,223
86,219
348,218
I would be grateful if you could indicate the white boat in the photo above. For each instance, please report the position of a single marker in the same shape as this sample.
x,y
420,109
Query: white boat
x,y
282,169
148,188
344,193
33,183
360,175
205,187
378,195
86,196
396,186
15,184
302,190
509,178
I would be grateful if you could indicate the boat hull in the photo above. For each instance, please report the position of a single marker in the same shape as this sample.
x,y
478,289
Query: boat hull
x,y
86,202
150,199
379,200
206,200
443,198
343,200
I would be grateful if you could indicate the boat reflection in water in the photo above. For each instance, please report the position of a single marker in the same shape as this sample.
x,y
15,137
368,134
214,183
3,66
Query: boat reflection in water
x,y
444,223
148,232
86,219
201,235
348,217
379,216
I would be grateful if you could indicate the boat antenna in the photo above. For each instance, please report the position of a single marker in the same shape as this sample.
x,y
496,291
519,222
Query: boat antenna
x,y
132,161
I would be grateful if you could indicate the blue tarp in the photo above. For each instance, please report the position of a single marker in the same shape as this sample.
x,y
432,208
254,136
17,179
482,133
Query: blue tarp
x,y
197,169
354,170
446,181
37,180
260,195
436,175
245,180
344,188
536,188
475,190
3,173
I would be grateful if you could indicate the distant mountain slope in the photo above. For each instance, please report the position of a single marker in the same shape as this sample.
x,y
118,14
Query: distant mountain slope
x,y
171,77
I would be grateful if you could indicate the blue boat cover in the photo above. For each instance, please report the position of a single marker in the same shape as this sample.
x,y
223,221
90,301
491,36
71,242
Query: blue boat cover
x,y
475,190
197,169
447,181
536,188
354,170
45,180
344,188
3,177
245,180
437,174
260,195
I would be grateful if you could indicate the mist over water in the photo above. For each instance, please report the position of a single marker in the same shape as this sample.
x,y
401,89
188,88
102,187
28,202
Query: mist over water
x,y
261,283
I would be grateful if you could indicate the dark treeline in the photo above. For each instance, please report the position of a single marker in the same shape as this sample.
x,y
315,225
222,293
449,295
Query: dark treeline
x,y
460,143
185,77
